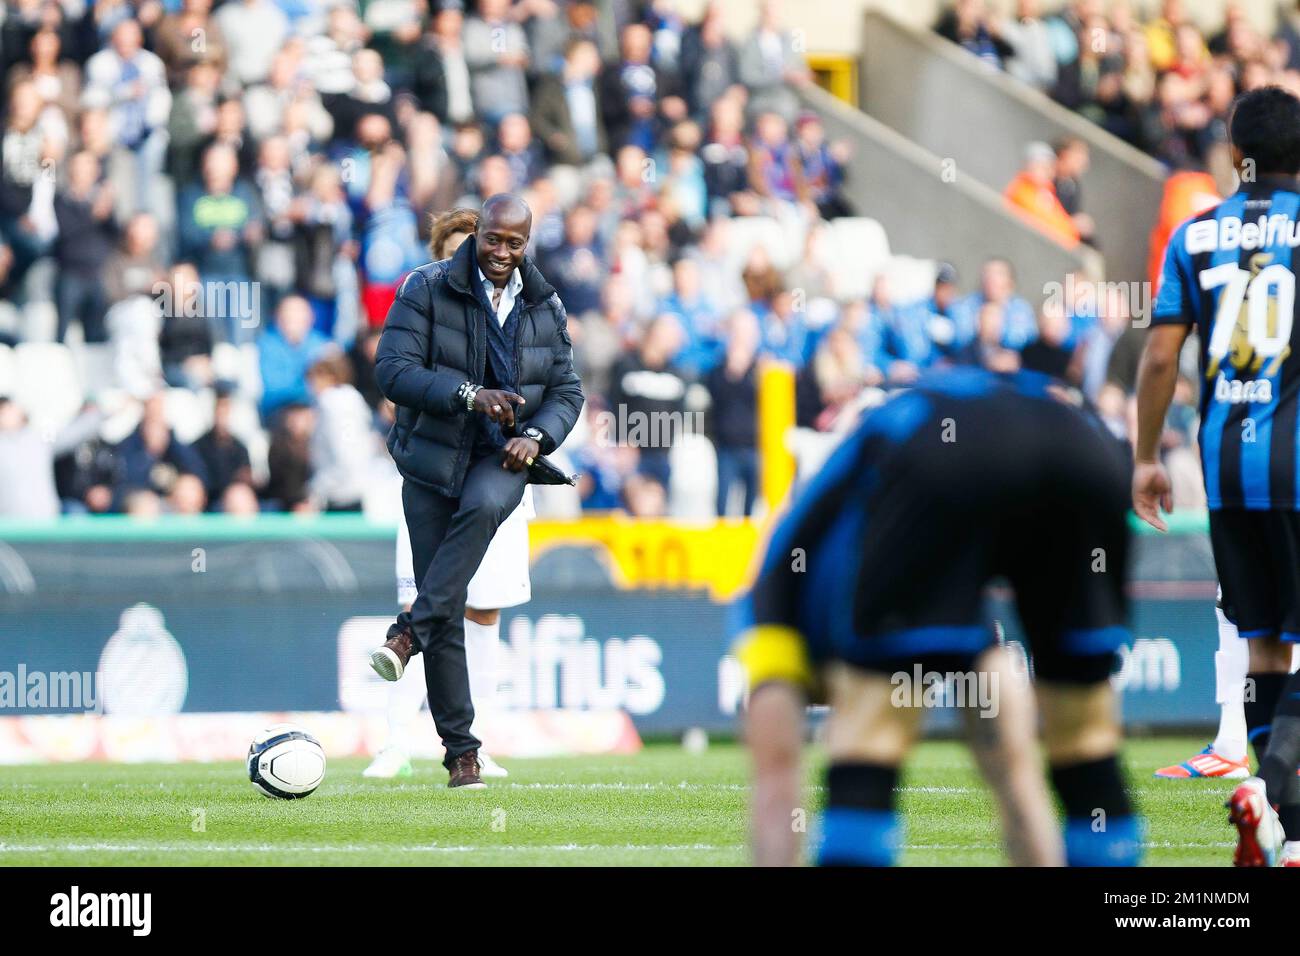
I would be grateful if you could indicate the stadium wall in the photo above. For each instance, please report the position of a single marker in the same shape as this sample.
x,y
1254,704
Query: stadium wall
x,y
215,616
947,102
963,221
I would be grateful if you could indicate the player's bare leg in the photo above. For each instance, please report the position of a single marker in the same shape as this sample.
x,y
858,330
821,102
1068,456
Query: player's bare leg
x,y
864,724
1079,722
1081,733
1004,744
774,731
868,737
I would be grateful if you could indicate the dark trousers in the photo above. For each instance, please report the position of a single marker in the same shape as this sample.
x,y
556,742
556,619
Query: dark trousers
x,y
737,464
81,297
449,537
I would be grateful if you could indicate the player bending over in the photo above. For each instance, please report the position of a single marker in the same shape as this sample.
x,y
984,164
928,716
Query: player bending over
x,y
1229,272
882,562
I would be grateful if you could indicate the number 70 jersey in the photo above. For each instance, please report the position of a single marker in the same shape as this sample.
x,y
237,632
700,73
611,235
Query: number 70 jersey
x,y
1231,272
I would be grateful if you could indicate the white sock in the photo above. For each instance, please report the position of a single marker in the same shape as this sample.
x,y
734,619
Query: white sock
x,y
481,660
405,699
1231,663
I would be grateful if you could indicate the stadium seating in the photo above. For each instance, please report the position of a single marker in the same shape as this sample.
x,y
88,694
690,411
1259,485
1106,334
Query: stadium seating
x,y
910,279
8,373
781,245
46,383
189,412
854,250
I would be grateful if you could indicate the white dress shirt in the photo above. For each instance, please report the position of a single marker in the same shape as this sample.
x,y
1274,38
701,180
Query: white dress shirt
x,y
508,294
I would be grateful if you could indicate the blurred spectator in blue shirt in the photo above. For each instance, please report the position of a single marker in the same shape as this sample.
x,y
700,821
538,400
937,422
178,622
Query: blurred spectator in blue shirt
x,y
1083,301
911,331
285,352
865,321
940,326
700,318
997,291
684,184
578,268
785,333
390,235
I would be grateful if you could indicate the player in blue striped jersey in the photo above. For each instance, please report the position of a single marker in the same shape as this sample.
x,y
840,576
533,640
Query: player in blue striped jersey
x,y
871,596
1230,274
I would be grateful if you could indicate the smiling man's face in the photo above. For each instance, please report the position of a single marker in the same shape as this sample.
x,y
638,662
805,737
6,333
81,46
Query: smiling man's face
x,y
502,237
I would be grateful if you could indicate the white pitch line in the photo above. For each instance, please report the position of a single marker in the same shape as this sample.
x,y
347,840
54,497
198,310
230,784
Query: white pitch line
x,y
346,848
684,785
460,848
1165,845
352,788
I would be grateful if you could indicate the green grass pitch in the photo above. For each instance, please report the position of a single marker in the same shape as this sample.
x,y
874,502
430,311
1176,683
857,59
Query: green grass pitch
x,y
662,806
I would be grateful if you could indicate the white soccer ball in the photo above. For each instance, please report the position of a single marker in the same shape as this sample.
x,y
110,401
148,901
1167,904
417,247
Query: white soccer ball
x,y
286,761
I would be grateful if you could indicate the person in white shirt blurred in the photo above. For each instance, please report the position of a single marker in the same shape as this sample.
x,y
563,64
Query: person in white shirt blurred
x,y
27,454
344,444
131,83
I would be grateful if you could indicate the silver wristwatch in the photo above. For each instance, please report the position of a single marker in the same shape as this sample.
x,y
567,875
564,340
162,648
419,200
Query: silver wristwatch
x,y
535,434
468,391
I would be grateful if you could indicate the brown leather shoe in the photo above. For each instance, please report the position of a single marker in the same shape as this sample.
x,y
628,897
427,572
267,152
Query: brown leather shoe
x,y
389,661
464,771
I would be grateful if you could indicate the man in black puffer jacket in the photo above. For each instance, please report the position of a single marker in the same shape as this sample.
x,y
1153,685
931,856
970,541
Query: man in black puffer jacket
x,y
474,350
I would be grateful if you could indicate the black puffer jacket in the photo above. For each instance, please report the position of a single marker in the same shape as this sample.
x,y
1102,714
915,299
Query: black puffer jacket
x,y
435,338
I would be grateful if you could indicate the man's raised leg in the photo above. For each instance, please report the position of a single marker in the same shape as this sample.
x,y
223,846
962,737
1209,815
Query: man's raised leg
x,y
436,620
490,493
